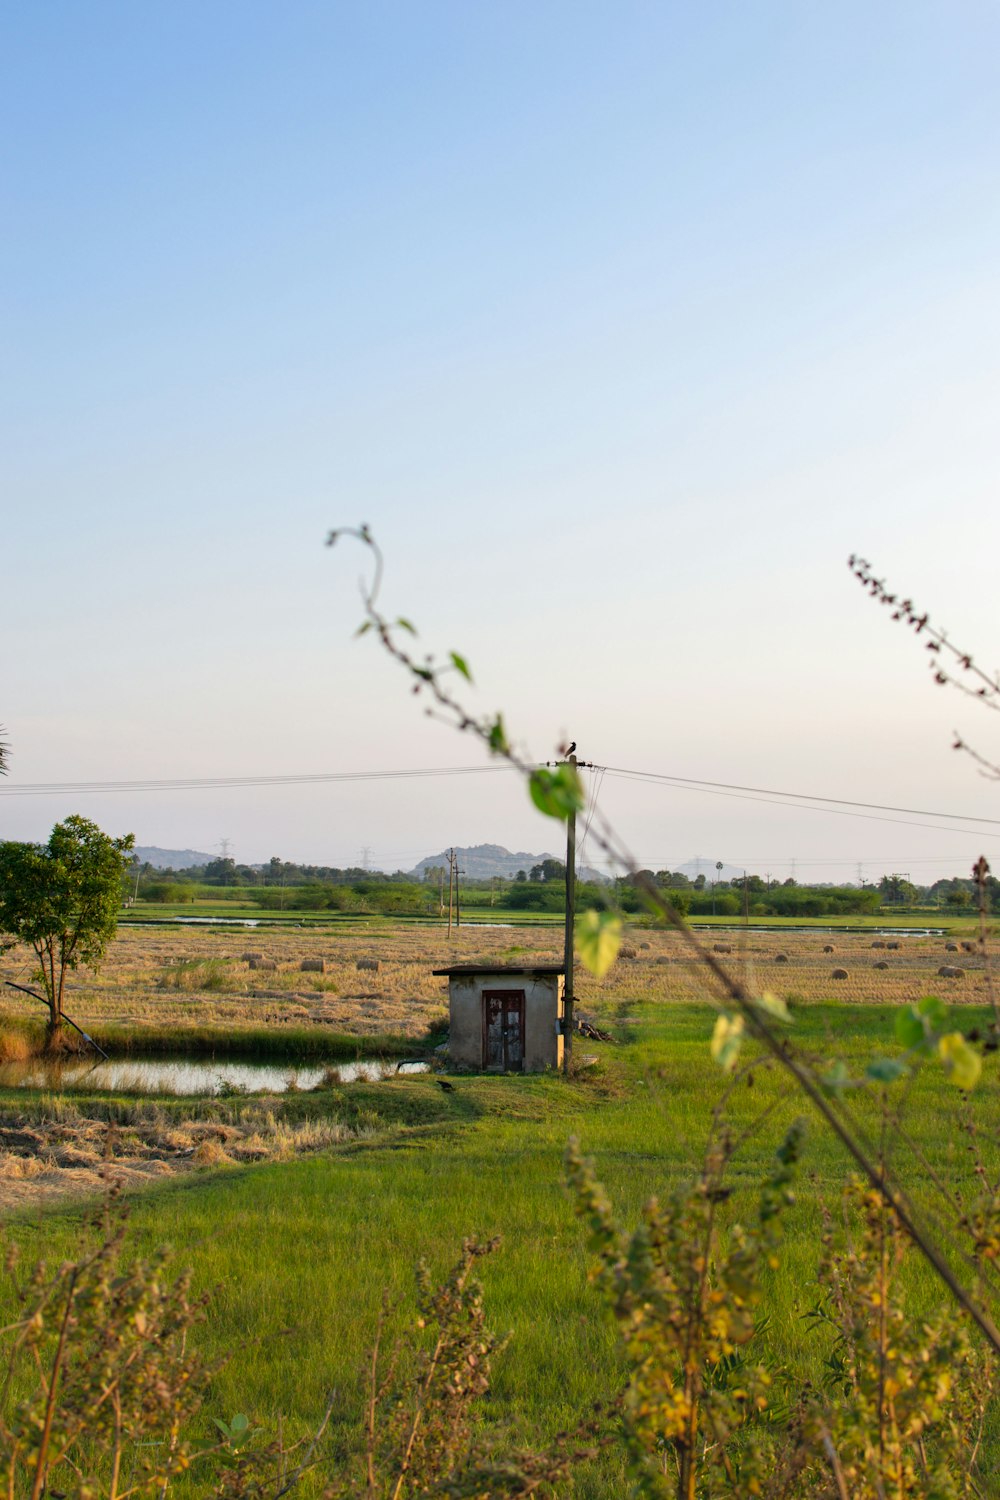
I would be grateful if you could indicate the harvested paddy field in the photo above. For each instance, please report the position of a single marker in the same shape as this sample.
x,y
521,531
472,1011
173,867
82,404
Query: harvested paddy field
x,y
371,981
219,991
57,1149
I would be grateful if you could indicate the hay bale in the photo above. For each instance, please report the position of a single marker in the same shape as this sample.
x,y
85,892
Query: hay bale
x,y
266,965
948,971
827,947
625,951
723,948
968,947
781,958
880,964
894,947
951,947
312,966
839,974
878,943
209,1153
645,945
249,958
368,964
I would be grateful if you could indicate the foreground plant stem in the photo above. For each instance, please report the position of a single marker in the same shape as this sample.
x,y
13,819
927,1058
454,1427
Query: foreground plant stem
x,y
446,707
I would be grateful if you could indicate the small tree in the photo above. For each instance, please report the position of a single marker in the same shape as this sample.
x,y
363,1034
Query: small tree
x,y
62,899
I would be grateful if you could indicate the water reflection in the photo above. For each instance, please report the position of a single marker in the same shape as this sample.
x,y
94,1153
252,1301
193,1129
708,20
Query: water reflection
x,y
192,1076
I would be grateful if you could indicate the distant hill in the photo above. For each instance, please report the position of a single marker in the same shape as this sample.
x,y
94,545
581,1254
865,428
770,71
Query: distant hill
x,y
481,861
172,859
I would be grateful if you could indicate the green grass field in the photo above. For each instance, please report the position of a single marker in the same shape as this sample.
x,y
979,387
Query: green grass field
x,y
296,1256
476,914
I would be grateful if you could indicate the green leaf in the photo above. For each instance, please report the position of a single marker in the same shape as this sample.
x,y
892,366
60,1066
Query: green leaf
x,y
461,665
556,793
886,1069
933,1009
363,628
909,1027
498,736
775,1006
405,624
239,1424
836,1077
598,938
727,1039
962,1063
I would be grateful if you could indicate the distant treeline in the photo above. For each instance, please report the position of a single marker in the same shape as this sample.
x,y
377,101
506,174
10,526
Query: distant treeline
x,y
282,886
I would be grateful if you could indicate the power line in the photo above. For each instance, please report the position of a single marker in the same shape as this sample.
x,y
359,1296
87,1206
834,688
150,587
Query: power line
x,y
706,789
216,783
837,805
919,812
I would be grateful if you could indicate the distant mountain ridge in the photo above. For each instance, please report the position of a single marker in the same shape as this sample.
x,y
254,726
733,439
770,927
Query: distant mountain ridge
x,y
481,861
172,859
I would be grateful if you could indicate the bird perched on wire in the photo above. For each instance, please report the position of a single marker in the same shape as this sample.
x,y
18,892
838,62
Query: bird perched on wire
x,y
571,749
443,1083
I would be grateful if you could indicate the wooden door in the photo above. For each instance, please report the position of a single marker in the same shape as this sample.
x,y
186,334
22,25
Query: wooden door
x,y
503,1031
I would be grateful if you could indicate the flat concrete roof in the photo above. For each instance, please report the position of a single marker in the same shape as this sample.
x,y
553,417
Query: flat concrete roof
x,y
502,969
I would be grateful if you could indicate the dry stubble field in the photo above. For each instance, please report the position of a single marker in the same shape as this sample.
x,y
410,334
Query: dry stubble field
x,y
184,977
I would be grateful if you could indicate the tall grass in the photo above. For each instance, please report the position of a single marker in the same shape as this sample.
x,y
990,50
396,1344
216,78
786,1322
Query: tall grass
x,y
20,1040
253,1043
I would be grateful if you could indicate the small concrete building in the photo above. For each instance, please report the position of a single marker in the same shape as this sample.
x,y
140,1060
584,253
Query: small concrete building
x,y
506,1019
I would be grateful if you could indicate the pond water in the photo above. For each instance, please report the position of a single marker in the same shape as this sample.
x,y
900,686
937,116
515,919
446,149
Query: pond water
x,y
893,932
186,1075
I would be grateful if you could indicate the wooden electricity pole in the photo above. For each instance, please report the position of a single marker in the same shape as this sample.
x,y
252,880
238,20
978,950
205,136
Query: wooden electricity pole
x,y
451,883
568,942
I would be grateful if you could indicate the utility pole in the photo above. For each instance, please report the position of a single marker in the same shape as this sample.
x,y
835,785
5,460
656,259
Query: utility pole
x,y
568,941
440,890
458,898
451,884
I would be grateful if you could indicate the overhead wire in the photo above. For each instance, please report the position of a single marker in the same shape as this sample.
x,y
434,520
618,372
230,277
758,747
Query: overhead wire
x,y
729,786
217,783
595,791
708,789
838,806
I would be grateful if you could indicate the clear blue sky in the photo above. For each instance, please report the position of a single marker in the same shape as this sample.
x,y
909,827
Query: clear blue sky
x,y
621,324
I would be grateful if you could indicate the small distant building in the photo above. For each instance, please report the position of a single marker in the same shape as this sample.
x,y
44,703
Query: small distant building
x,y
506,1019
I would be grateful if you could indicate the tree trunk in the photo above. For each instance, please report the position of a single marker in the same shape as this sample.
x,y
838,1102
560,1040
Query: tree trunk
x,y
56,1036
54,978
